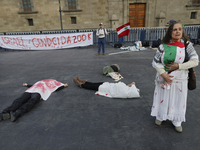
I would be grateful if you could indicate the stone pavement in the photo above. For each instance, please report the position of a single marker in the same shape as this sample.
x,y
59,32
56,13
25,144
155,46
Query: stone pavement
x,y
77,119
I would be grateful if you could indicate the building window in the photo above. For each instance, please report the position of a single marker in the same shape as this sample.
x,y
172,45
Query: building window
x,y
30,22
72,4
73,20
26,5
193,15
195,2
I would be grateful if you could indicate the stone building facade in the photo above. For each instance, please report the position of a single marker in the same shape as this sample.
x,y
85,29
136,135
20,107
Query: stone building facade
x,y
37,15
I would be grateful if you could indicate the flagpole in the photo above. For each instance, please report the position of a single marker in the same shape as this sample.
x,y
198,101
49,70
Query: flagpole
x,y
60,15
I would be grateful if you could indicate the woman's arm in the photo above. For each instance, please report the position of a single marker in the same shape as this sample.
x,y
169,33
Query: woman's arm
x,y
183,66
157,64
167,78
157,58
193,60
160,70
188,64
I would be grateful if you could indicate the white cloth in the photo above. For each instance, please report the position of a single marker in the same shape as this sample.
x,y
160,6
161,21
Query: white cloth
x,y
170,103
116,76
133,48
189,64
101,31
45,87
118,90
176,123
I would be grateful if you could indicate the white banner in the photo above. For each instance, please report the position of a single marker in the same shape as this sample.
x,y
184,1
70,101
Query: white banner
x,y
47,41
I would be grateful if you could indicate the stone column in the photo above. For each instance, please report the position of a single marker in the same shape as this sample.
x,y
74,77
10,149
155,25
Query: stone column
x,y
160,19
114,21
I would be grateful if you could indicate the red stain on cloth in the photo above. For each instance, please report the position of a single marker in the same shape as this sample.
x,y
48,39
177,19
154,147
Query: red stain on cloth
x,y
45,87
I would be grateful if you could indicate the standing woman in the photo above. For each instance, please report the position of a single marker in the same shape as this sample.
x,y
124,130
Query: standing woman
x,y
170,95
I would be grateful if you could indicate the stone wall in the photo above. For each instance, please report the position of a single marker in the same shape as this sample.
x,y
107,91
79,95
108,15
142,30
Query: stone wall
x,y
179,10
45,16
90,13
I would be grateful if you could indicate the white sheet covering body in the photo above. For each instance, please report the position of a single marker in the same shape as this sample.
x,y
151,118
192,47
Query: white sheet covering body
x,y
45,87
118,90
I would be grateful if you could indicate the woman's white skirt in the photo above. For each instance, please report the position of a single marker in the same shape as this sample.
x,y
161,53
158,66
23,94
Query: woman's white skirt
x,y
170,103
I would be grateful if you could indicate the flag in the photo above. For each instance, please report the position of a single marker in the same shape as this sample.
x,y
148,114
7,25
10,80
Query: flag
x,y
174,52
123,30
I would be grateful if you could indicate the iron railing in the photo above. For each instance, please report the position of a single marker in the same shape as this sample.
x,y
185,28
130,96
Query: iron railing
x,y
136,34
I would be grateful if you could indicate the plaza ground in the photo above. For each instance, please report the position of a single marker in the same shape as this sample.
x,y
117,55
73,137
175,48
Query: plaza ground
x,y
77,119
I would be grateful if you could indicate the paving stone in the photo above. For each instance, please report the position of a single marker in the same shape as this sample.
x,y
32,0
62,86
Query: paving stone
x,y
75,118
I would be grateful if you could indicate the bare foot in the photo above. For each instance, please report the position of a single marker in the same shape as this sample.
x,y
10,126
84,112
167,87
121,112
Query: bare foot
x,y
131,84
66,85
25,84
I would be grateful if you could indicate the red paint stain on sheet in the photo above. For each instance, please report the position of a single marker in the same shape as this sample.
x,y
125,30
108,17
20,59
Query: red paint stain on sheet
x,y
51,83
39,86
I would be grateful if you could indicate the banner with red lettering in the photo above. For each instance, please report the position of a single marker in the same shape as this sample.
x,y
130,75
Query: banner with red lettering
x,y
47,41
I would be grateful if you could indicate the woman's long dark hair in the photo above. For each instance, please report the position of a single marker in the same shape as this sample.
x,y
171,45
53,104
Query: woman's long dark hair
x,y
168,35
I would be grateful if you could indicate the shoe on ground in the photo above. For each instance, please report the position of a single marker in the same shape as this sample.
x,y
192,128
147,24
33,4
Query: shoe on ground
x,y
77,82
158,122
13,116
179,129
4,116
104,54
97,54
80,80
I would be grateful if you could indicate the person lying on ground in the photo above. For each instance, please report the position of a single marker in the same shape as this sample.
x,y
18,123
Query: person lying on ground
x,y
111,90
40,90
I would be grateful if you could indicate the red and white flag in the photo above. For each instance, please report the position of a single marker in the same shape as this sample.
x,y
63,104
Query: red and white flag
x,y
123,30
